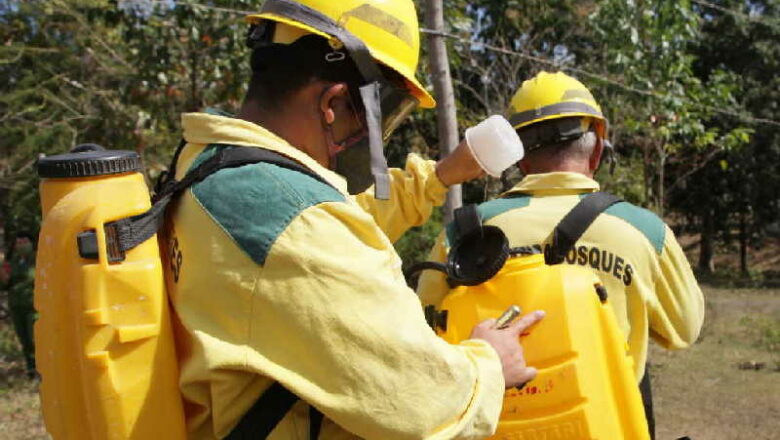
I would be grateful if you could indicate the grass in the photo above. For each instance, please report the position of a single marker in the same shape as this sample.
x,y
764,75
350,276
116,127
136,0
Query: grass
x,y
20,415
725,387
765,332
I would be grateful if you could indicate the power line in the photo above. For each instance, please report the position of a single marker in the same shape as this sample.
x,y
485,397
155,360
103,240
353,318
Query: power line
x,y
173,3
188,4
754,18
497,49
650,93
721,9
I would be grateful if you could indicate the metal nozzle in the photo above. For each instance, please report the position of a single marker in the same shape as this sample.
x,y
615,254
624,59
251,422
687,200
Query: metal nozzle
x,y
507,317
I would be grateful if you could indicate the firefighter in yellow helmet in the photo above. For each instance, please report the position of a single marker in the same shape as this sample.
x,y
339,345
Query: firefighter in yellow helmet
x,y
647,276
293,319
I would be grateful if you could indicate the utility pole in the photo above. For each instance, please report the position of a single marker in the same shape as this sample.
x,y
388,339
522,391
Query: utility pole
x,y
446,118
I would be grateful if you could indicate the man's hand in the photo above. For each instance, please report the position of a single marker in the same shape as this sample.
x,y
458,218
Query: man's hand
x,y
507,345
490,147
458,167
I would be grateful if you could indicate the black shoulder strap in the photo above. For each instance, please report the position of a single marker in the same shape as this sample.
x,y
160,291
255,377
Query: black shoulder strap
x,y
170,174
264,414
269,409
576,222
127,233
466,219
276,401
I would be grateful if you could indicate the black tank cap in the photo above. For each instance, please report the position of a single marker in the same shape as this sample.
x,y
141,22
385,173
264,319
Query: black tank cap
x,y
478,256
89,163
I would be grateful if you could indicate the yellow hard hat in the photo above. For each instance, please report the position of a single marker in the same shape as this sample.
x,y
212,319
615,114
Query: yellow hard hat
x,y
549,96
388,28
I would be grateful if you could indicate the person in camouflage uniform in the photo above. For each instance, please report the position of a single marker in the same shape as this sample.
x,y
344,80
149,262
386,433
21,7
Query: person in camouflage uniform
x,y
21,278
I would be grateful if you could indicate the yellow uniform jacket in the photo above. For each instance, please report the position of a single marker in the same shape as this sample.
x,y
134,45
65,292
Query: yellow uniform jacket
x,y
648,279
275,276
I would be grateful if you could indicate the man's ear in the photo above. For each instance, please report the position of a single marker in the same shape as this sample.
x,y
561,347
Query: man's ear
x,y
328,99
523,164
595,156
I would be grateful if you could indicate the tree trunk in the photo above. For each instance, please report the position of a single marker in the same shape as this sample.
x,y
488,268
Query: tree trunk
x,y
446,118
646,170
743,242
660,197
195,102
706,251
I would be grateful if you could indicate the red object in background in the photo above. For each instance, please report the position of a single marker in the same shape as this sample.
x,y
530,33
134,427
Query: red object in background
x,y
5,272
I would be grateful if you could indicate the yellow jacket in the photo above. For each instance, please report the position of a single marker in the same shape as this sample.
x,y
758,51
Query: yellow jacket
x,y
275,276
647,276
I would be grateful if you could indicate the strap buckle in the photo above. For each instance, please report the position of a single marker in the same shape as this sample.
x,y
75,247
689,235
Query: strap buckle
x,y
115,231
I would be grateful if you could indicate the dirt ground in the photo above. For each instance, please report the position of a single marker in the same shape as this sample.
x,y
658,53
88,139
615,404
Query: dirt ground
x,y
725,387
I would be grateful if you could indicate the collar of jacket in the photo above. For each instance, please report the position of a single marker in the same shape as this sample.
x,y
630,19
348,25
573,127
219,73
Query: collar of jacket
x,y
557,183
202,129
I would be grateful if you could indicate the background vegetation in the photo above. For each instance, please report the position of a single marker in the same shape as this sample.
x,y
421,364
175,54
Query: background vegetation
x,y
690,88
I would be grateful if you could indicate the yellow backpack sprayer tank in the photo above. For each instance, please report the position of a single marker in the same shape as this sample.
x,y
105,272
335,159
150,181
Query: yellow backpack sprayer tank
x,y
585,387
103,339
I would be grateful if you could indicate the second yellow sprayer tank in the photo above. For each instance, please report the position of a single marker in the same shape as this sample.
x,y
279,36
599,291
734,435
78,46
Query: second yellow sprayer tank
x,y
585,388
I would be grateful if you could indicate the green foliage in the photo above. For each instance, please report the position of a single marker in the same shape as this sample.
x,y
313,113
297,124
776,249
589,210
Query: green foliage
x,y
735,195
61,74
623,182
765,331
671,109
416,244
9,346
117,74
674,78
186,58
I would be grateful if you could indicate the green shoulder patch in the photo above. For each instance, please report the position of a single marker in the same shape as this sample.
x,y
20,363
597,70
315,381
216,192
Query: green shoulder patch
x,y
493,208
497,207
255,203
218,112
646,222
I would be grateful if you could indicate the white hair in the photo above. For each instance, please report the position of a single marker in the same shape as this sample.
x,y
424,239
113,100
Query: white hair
x,y
580,148
583,146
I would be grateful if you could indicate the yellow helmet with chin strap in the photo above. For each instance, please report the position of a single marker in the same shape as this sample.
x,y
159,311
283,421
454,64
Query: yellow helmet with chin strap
x,y
554,107
377,35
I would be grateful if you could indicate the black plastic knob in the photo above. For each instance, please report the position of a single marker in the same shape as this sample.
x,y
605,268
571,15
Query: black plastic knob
x,y
89,163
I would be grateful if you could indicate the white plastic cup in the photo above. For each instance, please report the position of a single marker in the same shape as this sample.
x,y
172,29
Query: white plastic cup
x,y
494,144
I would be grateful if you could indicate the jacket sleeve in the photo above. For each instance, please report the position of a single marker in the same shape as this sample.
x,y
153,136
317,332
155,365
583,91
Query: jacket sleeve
x,y
414,192
352,340
432,285
677,312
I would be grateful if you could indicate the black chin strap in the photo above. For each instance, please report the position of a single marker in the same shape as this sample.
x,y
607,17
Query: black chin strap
x,y
369,70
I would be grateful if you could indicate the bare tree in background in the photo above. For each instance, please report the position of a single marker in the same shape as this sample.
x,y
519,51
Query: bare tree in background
x,y
489,80
446,118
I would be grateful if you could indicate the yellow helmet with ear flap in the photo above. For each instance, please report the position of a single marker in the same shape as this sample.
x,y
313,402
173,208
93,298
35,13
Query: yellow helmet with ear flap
x,y
551,96
377,35
388,28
